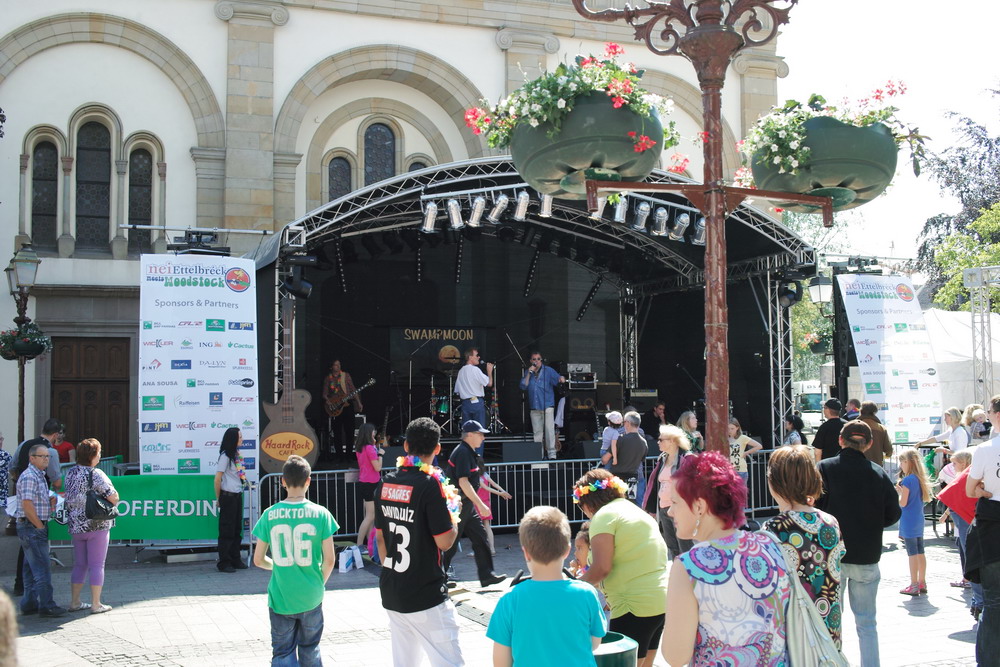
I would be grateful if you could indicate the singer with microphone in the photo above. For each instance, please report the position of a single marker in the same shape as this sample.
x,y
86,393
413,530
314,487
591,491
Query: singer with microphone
x,y
470,386
540,381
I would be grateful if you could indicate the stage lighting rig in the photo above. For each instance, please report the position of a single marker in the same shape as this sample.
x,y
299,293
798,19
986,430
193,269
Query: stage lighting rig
x,y
455,215
430,218
599,211
681,223
660,222
621,208
478,206
590,297
545,209
521,207
789,294
499,205
698,238
640,216
198,242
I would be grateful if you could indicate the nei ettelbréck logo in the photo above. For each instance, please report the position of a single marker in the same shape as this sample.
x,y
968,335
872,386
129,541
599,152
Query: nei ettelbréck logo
x,y
237,280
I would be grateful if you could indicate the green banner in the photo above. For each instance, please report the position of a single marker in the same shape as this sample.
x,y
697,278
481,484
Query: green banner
x,y
158,507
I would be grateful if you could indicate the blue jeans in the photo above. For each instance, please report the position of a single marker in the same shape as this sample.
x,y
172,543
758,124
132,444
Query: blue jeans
x,y
962,529
861,582
36,573
475,411
303,630
988,636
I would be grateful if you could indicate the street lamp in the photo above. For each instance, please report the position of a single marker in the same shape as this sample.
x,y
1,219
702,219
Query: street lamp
x,y
821,290
709,33
21,272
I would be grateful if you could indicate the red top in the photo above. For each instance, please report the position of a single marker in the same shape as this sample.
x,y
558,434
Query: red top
x,y
955,498
64,448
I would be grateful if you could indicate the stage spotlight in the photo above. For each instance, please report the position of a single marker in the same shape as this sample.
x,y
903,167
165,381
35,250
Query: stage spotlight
x,y
530,279
788,295
297,285
430,218
455,215
392,241
545,210
639,219
660,222
521,209
498,208
478,206
371,245
590,297
698,238
599,213
681,223
621,208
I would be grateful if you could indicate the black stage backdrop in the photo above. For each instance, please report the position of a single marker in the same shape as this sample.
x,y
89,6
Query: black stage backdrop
x,y
384,298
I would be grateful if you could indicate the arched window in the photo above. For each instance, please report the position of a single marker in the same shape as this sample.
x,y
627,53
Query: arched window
x,y
44,195
417,166
380,153
140,200
93,186
339,177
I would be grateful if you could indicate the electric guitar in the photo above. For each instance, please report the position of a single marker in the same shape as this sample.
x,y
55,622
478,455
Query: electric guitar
x,y
335,407
287,432
383,439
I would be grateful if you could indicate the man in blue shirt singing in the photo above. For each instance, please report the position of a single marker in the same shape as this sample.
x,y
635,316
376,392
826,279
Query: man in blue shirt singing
x,y
539,380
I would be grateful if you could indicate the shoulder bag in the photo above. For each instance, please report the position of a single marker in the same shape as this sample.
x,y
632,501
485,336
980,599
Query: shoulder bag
x,y
98,508
807,640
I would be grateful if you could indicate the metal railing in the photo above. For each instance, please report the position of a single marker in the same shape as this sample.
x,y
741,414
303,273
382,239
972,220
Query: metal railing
x,y
106,464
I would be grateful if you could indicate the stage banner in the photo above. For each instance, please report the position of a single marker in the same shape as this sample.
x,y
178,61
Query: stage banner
x,y
197,362
894,353
435,350
158,507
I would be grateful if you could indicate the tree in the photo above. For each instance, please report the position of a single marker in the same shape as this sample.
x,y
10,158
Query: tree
x,y
970,171
978,246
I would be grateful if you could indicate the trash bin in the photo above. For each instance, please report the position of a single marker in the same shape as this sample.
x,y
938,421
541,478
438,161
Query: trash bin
x,y
617,650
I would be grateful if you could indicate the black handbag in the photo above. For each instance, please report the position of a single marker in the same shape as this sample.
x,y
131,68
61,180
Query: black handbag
x,y
98,509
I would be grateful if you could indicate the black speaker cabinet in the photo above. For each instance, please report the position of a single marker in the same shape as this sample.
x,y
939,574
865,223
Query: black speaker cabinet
x,y
518,450
581,399
390,456
609,396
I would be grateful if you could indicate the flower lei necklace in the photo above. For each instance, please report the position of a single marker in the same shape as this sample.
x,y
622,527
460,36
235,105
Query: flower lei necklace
x,y
241,471
449,491
615,482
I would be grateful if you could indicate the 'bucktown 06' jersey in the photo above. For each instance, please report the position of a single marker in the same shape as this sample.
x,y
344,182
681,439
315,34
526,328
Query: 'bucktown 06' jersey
x,y
410,509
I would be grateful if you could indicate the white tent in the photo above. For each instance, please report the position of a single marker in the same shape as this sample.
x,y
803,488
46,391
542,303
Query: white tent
x,y
951,337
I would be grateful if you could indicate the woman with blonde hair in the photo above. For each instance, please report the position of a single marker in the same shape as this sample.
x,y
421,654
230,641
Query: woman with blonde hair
x,y
658,497
914,491
688,422
740,447
956,435
810,538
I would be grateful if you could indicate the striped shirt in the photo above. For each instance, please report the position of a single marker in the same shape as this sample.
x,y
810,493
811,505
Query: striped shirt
x,y
33,486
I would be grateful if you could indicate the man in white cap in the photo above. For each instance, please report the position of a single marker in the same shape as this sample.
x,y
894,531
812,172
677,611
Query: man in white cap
x,y
464,473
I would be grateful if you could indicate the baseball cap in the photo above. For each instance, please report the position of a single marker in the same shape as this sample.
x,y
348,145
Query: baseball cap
x,y
472,426
854,428
614,417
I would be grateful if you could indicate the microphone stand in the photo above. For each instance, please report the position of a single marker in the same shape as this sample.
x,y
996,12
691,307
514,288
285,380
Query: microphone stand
x,y
409,389
524,394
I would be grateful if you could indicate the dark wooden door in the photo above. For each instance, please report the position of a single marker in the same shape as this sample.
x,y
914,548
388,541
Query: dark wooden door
x,y
90,390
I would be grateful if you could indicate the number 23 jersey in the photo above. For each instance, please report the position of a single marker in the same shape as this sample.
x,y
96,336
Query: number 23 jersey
x,y
410,509
294,532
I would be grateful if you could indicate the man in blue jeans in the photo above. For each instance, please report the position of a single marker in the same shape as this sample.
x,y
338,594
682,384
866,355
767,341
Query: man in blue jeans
x,y
33,511
862,498
540,382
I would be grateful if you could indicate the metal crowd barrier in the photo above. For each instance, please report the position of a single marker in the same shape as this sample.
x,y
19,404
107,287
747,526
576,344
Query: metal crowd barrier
x,y
106,464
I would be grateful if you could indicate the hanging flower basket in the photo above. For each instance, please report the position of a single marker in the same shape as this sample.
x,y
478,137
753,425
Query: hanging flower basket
x,y
594,142
28,341
852,165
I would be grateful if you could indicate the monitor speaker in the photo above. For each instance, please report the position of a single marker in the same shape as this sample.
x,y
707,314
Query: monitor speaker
x,y
518,450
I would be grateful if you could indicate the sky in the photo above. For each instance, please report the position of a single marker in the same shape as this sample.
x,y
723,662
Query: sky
x,y
944,55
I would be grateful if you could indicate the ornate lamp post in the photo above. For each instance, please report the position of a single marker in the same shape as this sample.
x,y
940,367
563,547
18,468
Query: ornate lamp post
x,y
706,33
21,272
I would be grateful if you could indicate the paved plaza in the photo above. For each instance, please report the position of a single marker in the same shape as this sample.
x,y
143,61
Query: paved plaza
x,y
189,614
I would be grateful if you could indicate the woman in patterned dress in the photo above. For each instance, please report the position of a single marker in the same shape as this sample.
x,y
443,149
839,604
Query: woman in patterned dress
x,y
809,537
728,596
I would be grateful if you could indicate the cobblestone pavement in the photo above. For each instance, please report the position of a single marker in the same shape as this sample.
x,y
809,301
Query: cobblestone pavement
x,y
189,614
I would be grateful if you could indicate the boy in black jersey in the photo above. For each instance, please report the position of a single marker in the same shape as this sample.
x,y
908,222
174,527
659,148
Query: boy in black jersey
x,y
413,525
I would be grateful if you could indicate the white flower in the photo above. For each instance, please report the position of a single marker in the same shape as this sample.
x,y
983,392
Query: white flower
x,y
562,80
536,107
777,159
774,148
795,163
794,144
572,86
561,103
533,122
781,134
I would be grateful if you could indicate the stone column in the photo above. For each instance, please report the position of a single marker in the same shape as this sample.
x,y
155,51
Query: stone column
x,y
526,53
22,205
160,237
759,70
119,244
210,171
284,187
249,177
66,241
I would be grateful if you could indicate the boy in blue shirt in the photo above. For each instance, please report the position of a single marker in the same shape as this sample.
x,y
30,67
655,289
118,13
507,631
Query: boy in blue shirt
x,y
548,619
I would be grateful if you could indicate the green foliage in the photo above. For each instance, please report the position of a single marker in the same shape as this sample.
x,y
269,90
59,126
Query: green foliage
x,y
978,245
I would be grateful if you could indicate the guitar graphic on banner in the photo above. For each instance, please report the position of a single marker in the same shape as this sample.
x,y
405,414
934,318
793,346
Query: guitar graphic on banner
x,y
288,432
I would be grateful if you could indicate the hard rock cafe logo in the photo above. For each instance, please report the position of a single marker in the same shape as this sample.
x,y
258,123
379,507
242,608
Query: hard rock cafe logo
x,y
282,445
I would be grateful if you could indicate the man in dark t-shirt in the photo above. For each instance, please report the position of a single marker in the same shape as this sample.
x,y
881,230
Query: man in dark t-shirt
x,y
826,442
465,476
413,527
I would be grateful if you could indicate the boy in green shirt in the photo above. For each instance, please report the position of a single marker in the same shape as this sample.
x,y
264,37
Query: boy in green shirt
x,y
300,534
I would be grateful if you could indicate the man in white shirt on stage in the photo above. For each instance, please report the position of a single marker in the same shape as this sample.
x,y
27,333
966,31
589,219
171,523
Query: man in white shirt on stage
x,y
470,386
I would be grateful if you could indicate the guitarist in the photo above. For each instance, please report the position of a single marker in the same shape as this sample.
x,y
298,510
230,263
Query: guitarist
x,y
336,386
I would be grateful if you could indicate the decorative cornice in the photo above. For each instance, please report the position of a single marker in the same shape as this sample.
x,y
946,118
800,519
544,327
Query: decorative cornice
x,y
529,40
209,162
67,164
258,11
745,61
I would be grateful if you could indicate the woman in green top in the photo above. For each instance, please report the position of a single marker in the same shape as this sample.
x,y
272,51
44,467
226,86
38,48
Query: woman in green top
x,y
689,424
628,558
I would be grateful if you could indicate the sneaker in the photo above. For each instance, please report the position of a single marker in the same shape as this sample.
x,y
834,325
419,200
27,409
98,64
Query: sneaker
x,y
912,589
364,551
29,612
492,579
452,583
228,569
240,565
52,612
961,584
923,587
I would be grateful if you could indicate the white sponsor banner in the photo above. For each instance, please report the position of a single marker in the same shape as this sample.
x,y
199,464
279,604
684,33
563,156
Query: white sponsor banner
x,y
894,352
197,362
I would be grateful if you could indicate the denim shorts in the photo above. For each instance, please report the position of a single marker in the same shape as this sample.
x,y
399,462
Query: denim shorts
x,y
914,545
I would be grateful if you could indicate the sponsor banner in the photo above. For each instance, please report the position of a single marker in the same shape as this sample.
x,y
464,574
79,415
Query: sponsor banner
x,y
197,362
159,507
895,358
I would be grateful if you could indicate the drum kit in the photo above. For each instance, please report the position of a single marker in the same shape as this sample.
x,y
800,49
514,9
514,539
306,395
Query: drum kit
x,y
445,407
